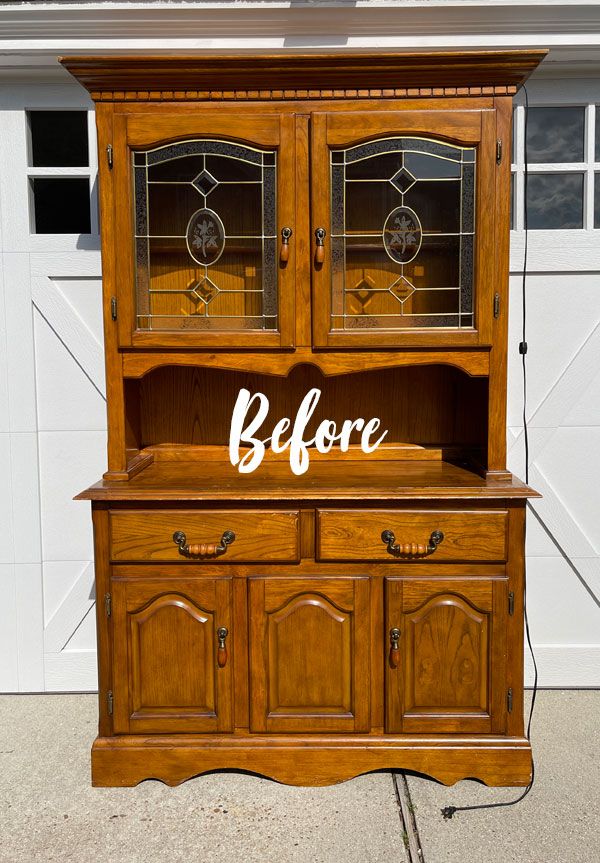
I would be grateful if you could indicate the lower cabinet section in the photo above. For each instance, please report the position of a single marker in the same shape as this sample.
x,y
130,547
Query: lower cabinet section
x,y
447,655
309,652
309,642
172,668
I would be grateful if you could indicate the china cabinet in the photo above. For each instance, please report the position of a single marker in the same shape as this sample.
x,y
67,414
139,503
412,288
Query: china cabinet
x,y
278,225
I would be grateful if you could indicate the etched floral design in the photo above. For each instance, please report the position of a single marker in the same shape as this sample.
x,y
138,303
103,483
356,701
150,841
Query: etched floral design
x,y
402,235
205,237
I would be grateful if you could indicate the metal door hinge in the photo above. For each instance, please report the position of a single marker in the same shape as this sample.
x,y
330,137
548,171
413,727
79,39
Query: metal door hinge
x,y
496,305
113,308
511,603
498,151
109,701
109,156
509,700
108,604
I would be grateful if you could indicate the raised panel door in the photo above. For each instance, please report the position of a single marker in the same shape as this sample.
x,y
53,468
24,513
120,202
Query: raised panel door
x,y
172,670
406,203
309,654
445,661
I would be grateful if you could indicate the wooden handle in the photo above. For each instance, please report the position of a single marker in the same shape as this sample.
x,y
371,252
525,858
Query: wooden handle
x,y
411,549
222,633
284,252
394,647
320,250
203,549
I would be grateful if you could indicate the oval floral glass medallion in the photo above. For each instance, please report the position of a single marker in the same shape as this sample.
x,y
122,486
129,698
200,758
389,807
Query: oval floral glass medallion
x,y
205,237
402,235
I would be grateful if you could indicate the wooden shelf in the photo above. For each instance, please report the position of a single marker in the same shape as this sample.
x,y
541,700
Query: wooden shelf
x,y
344,480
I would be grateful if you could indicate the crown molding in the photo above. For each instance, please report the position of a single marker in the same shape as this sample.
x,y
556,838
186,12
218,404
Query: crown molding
x,y
313,75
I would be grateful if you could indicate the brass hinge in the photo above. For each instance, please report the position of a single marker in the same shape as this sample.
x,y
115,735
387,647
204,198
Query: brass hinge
x,y
108,604
109,156
109,701
498,151
496,305
509,700
113,308
511,603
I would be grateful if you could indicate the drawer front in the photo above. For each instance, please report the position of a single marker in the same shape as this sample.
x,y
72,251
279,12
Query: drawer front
x,y
357,535
143,535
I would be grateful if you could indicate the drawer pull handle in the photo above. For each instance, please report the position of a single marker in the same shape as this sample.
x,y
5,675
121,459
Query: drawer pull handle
x,y
203,549
222,633
394,648
411,549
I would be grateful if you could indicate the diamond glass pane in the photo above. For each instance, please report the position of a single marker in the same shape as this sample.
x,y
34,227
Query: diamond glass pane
x,y
403,225
205,219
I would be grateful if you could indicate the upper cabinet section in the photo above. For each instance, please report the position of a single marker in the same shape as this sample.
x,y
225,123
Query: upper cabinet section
x,y
202,207
405,218
345,200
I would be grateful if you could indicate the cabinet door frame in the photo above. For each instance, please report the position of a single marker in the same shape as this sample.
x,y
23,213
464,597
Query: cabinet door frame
x,y
462,127
259,129
134,594
329,589
404,718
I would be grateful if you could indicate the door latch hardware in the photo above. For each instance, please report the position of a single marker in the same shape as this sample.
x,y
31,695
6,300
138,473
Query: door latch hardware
x,y
509,700
109,156
511,603
498,151
108,604
109,701
496,305
394,646
113,308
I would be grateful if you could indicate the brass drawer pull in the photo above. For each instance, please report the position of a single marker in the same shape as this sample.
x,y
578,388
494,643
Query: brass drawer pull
x,y
203,549
394,648
412,549
222,633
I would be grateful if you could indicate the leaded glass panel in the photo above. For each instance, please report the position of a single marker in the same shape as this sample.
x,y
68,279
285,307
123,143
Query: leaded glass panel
x,y
205,234
403,226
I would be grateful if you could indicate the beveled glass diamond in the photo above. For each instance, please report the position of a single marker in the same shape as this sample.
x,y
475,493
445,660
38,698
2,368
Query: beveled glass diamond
x,y
402,289
205,290
205,182
403,180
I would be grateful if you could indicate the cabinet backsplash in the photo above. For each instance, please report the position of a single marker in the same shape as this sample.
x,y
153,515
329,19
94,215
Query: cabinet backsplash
x,y
427,405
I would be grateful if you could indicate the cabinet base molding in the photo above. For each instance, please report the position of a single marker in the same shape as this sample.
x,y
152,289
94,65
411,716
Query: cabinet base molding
x,y
127,760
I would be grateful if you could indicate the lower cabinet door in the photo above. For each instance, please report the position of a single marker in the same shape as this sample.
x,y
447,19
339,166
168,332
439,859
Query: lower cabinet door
x,y
446,655
309,654
171,673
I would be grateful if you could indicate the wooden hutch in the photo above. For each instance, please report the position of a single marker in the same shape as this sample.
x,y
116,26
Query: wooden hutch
x,y
277,224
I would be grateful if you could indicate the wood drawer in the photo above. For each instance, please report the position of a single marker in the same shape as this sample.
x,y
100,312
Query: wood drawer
x,y
259,535
356,534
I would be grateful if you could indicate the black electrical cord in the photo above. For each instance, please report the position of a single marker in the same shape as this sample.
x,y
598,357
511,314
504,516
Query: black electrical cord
x,y
448,811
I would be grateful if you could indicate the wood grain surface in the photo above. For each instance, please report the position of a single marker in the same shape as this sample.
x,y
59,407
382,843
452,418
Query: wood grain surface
x,y
259,535
356,535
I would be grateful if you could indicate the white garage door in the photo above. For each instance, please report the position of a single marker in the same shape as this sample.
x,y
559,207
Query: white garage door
x,y
52,407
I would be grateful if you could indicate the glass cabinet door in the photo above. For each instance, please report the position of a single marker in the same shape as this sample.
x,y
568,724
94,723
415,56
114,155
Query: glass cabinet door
x,y
404,228
207,254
